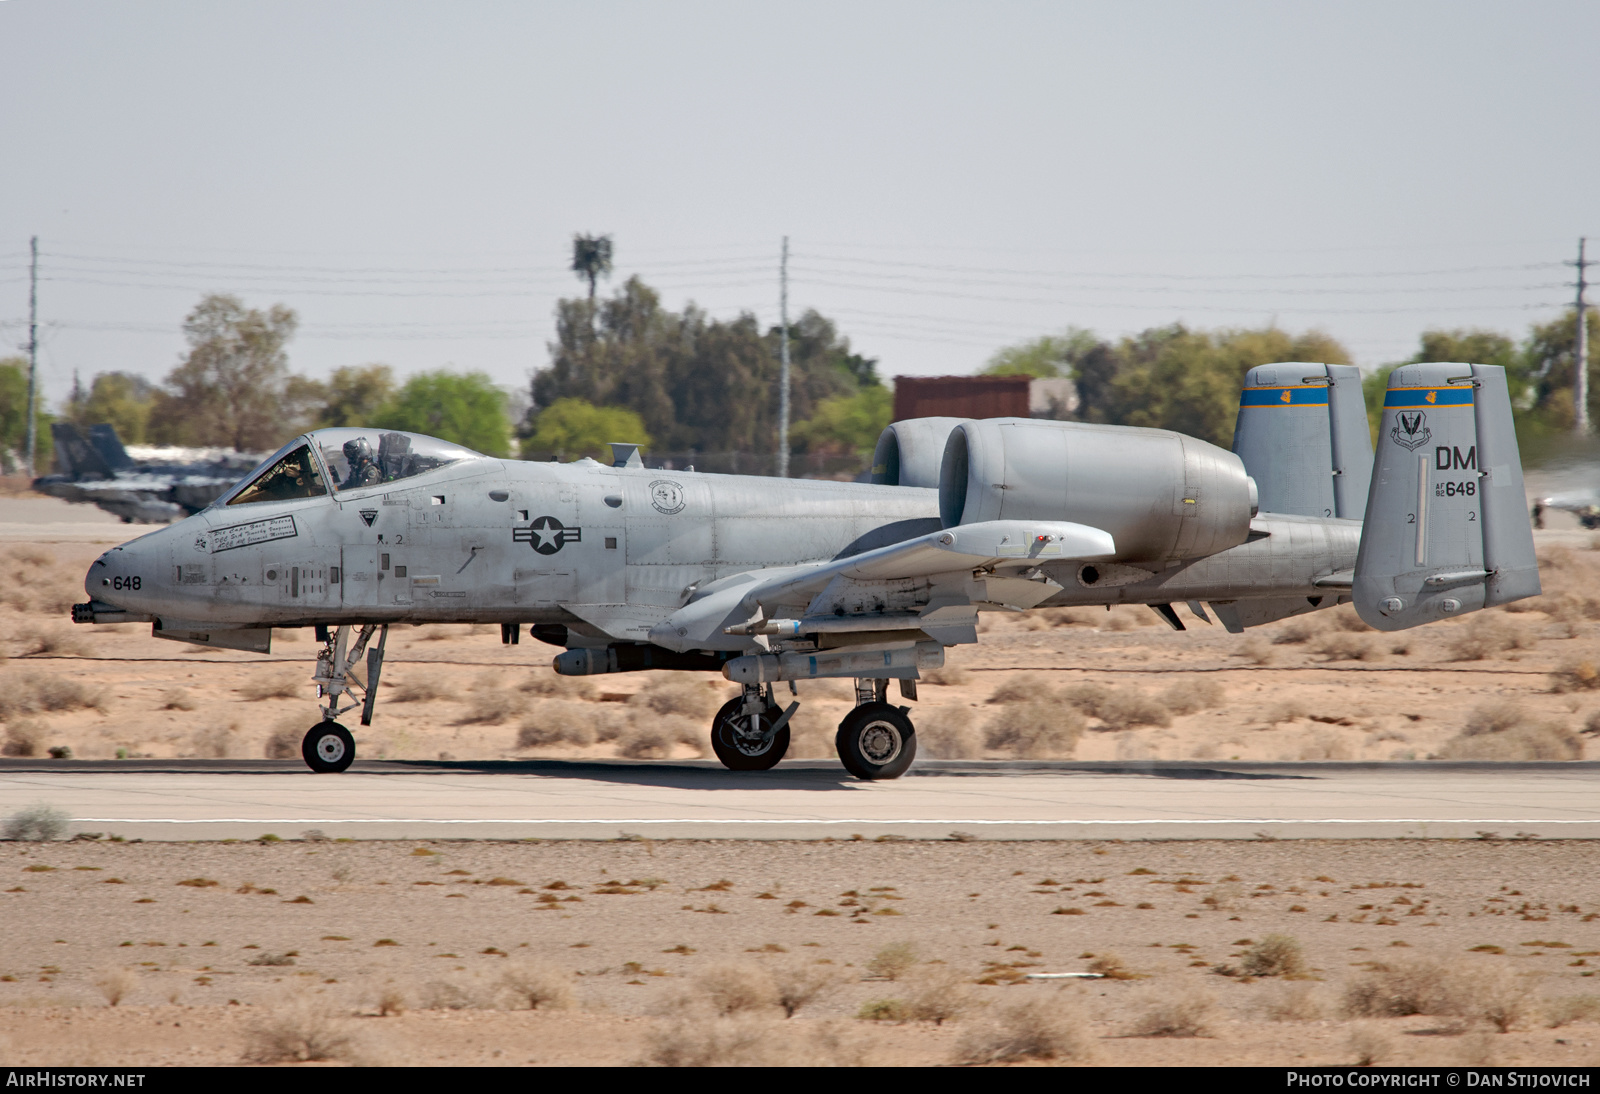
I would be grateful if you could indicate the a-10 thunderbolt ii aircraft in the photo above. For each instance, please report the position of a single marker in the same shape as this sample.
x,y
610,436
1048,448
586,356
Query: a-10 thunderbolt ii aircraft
x,y
773,581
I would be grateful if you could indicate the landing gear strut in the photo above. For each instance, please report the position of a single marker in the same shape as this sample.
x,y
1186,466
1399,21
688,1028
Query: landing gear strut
x,y
876,740
751,733
328,746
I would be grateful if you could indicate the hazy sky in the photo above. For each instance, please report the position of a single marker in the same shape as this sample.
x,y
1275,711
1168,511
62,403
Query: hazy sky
x,y
953,177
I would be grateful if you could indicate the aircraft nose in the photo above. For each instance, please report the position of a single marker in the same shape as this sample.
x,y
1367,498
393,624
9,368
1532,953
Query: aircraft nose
x,y
119,576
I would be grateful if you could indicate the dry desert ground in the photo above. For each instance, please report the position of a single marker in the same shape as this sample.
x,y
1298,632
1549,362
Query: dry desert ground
x,y
887,952
685,952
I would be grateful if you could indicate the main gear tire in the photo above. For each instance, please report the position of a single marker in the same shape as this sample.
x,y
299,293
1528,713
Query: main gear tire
x,y
876,741
737,751
328,747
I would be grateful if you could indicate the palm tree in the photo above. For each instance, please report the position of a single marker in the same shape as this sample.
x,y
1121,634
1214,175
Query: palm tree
x,y
591,259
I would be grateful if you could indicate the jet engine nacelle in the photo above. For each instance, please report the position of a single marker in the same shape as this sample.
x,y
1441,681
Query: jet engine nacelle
x,y
1161,495
909,452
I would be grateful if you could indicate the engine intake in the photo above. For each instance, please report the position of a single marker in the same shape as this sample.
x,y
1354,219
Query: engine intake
x,y
1160,494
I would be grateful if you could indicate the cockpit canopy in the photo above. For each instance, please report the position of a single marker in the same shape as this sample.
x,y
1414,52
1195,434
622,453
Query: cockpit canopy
x,y
336,460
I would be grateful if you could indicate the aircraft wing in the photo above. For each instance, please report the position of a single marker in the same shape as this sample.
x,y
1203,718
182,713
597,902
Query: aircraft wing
x,y
933,582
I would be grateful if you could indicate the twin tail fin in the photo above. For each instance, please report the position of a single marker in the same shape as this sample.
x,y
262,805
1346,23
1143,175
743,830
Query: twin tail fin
x,y
1447,528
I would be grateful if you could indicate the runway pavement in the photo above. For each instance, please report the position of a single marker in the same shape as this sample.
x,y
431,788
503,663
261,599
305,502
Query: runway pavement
x,y
551,799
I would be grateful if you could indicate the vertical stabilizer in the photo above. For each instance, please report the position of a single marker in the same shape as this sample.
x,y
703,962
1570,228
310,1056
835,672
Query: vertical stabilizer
x,y
1446,528
1302,434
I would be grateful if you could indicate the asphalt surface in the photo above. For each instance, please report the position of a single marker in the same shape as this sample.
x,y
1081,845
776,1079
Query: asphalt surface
x,y
611,799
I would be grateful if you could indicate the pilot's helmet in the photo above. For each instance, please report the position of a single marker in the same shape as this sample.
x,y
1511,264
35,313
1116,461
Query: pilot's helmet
x,y
357,451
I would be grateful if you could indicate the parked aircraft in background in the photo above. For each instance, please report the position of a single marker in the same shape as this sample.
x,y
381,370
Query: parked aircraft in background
x,y
1583,504
149,485
772,581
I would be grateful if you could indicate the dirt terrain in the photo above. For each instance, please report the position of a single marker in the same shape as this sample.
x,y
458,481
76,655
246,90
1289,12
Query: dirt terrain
x,y
1081,683
431,953
889,952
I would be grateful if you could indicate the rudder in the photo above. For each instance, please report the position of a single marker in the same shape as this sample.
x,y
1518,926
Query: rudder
x,y
1446,530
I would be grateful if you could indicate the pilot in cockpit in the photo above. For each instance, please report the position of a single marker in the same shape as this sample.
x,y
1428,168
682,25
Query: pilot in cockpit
x,y
364,469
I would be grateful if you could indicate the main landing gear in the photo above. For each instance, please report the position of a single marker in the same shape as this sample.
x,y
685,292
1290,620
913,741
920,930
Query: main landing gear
x,y
875,740
750,733
328,746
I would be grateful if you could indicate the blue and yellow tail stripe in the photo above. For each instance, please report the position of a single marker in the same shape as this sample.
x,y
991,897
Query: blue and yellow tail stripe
x,y
1316,395
1428,396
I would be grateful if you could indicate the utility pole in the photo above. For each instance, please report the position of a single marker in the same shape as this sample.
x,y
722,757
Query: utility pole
x,y
1580,352
33,353
783,372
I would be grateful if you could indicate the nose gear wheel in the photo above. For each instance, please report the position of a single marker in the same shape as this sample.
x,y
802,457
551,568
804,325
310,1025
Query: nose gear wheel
x,y
328,747
737,748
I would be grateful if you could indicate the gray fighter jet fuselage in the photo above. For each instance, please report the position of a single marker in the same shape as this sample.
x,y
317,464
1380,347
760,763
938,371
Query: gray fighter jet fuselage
x,y
772,581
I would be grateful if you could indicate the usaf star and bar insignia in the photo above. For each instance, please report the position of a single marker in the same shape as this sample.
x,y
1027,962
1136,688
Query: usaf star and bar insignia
x,y
547,535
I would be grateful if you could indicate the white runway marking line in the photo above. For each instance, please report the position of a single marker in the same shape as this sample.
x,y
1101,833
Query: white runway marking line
x,y
862,821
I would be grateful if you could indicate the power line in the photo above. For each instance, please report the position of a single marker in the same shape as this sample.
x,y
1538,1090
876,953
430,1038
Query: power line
x,y
1150,289
1343,274
1059,303
1296,250
157,268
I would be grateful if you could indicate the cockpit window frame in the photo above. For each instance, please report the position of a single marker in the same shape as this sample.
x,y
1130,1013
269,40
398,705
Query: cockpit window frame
x,y
318,469
245,481
466,455
332,492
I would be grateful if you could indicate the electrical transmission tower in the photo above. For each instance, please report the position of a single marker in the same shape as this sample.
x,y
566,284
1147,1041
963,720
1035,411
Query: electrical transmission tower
x,y
1580,351
783,371
33,353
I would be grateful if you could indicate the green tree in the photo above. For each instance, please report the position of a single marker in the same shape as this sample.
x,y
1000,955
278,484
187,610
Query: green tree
x,y
1476,347
355,395
698,384
232,389
14,419
847,423
462,407
1547,370
1189,381
591,259
1048,356
573,428
1373,387
121,399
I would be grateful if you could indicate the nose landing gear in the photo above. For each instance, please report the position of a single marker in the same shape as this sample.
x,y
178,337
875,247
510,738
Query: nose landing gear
x,y
328,746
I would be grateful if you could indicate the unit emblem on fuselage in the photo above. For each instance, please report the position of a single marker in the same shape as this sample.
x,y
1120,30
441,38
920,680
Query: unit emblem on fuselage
x,y
547,535
666,496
